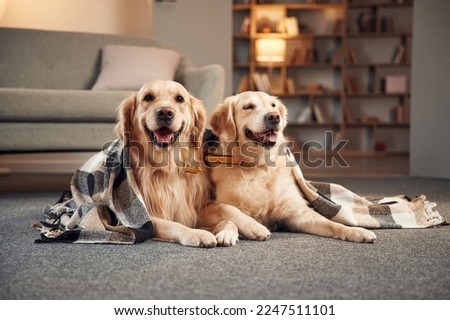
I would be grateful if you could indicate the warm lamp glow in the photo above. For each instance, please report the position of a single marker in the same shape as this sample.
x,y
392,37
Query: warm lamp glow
x,y
270,50
3,4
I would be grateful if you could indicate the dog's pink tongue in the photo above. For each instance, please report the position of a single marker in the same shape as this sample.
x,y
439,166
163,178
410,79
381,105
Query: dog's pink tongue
x,y
164,135
271,136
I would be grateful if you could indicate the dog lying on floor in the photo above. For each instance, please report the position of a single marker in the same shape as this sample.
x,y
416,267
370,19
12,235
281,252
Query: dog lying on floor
x,y
163,125
256,190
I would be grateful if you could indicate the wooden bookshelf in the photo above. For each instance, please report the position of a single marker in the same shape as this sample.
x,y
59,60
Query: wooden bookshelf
x,y
325,48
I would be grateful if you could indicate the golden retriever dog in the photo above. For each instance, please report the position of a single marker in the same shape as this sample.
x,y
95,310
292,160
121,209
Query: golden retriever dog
x,y
258,192
162,125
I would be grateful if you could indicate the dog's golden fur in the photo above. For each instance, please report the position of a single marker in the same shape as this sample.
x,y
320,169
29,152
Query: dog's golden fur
x,y
261,193
162,125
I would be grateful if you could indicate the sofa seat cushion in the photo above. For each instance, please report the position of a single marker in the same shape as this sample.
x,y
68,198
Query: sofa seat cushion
x,y
41,105
57,136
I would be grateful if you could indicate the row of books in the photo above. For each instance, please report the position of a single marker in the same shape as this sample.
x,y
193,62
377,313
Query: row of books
x,y
344,54
262,83
302,56
314,113
287,25
399,55
290,26
261,80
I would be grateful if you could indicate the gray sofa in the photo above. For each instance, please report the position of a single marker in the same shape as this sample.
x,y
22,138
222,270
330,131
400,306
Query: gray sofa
x,y
46,101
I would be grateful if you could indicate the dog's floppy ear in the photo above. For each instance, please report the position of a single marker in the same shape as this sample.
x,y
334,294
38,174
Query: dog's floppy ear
x,y
222,120
125,113
199,121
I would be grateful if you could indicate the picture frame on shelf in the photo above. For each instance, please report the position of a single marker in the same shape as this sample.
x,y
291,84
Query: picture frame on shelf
x,y
366,21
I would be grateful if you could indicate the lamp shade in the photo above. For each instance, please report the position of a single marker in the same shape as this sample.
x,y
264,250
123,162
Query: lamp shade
x,y
270,50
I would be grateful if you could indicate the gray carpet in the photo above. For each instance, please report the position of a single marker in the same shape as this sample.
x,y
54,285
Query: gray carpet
x,y
402,264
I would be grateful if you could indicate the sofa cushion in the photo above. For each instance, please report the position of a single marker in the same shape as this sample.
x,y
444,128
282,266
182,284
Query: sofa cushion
x,y
129,67
52,136
34,105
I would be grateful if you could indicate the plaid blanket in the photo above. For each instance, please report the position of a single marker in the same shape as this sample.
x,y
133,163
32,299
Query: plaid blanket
x,y
103,206
342,205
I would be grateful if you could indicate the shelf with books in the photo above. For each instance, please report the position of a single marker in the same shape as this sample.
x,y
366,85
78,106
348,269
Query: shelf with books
x,y
322,45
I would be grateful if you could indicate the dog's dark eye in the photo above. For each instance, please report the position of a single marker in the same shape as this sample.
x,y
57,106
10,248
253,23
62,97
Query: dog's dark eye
x,y
249,106
179,99
273,104
149,97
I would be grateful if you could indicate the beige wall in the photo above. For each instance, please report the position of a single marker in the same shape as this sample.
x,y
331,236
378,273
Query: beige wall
x,y
130,17
200,28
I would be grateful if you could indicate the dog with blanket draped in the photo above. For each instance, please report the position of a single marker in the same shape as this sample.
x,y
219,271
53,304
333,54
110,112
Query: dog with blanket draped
x,y
253,181
162,126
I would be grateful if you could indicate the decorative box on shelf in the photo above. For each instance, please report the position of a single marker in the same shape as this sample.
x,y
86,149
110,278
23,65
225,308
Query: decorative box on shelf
x,y
395,84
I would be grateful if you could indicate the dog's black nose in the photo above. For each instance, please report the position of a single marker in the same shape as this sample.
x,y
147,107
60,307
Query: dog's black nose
x,y
165,114
272,118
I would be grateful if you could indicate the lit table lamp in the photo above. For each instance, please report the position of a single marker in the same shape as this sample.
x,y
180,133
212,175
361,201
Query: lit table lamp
x,y
270,50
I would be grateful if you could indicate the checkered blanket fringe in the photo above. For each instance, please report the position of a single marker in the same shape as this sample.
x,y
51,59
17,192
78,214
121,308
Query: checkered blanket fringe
x,y
103,206
342,205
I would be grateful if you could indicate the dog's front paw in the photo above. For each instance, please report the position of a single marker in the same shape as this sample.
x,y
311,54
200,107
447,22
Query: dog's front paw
x,y
227,238
198,238
255,231
357,234
227,233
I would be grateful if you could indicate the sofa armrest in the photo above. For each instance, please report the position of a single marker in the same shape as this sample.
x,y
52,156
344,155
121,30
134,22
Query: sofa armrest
x,y
207,84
